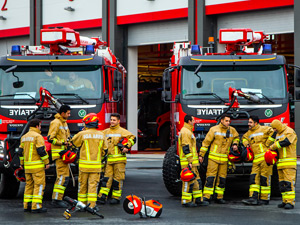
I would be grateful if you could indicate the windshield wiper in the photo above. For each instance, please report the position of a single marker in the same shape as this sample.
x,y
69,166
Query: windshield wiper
x,y
73,94
208,93
13,95
251,93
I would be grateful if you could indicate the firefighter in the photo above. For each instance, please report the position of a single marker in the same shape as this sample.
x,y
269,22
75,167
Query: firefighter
x,y
116,160
219,138
58,135
93,147
259,138
34,159
285,144
191,190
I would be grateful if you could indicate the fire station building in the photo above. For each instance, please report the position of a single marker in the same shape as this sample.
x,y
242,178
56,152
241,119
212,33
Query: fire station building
x,y
142,32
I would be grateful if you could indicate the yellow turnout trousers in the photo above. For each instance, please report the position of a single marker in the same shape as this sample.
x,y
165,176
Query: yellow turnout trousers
x,y
287,180
192,190
62,179
87,187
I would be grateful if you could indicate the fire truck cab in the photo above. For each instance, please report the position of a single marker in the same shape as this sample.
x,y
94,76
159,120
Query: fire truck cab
x,y
199,84
79,71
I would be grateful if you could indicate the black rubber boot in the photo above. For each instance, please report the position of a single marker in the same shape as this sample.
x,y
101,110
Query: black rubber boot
x,y
189,205
198,202
28,209
114,201
250,201
41,210
281,205
288,206
220,201
263,202
101,200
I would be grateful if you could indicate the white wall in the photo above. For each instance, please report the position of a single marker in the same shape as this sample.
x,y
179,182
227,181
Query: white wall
x,y
17,14
53,10
129,7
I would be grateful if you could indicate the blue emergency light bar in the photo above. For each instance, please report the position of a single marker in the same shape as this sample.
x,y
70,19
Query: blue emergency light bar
x,y
267,49
16,50
195,50
89,49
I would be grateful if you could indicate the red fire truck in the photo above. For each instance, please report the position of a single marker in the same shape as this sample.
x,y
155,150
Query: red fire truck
x,y
33,76
246,79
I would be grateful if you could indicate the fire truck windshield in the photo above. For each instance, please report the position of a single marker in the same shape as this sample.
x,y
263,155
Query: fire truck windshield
x,y
266,81
84,81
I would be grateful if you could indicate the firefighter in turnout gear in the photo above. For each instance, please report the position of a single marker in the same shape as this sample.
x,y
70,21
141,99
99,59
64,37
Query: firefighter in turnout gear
x,y
192,189
116,160
34,159
58,135
259,138
285,144
219,138
93,147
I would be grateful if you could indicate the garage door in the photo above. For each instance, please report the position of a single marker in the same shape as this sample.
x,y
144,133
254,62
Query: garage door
x,y
158,33
275,21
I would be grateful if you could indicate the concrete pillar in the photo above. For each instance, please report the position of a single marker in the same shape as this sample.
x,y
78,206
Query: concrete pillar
x,y
132,93
36,21
297,62
200,26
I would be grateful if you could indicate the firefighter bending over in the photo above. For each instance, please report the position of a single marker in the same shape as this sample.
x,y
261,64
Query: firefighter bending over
x,y
259,138
219,138
93,146
34,159
191,189
119,141
285,144
58,135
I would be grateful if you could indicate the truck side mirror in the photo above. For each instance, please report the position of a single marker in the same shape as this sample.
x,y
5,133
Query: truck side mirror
x,y
297,77
118,79
117,95
166,80
166,95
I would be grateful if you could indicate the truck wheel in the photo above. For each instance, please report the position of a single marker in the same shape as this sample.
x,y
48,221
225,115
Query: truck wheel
x,y
164,137
9,186
171,172
275,191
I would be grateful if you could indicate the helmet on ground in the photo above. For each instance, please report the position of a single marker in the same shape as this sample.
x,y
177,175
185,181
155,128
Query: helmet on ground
x,y
91,120
20,174
187,175
68,156
271,157
234,156
132,204
247,155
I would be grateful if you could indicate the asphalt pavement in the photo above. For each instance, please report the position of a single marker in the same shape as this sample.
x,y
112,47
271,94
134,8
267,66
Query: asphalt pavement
x,y
144,179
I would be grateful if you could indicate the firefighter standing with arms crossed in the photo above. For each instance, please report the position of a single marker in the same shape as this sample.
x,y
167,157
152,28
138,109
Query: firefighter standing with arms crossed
x,y
189,158
285,144
219,138
34,159
116,160
58,135
259,138
93,146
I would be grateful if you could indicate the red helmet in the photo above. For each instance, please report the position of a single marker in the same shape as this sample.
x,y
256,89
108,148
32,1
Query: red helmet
x,y
187,175
123,143
248,154
91,120
271,157
68,156
20,174
234,156
132,204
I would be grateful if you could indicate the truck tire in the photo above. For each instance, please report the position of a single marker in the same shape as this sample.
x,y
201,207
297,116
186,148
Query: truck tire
x,y
164,137
275,191
171,172
9,185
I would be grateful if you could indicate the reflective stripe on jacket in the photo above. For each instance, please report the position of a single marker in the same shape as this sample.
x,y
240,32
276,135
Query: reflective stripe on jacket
x,y
113,136
286,142
259,138
187,146
33,154
92,145
57,135
219,138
